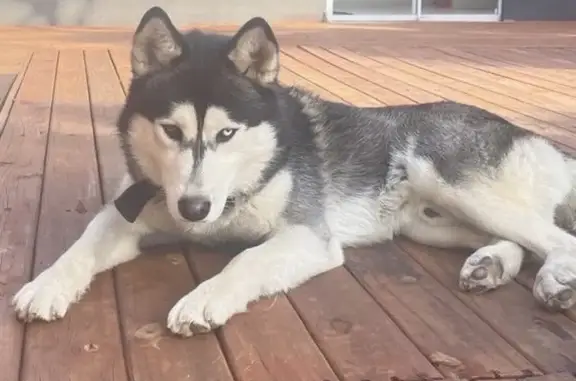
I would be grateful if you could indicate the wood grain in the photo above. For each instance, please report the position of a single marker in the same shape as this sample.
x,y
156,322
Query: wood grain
x,y
86,343
353,331
565,376
269,342
437,321
547,339
22,147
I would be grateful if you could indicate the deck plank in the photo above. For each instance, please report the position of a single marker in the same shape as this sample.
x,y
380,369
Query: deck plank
x,y
565,376
549,106
419,67
547,339
493,64
438,322
85,344
6,81
290,78
542,57
106,99
450,89
319,78
355,333
22,147
567,54
350,63
269,342
539,67
149,286
380,94
9,97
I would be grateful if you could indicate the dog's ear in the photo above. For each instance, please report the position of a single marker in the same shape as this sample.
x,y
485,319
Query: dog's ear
x,y
156,43
254,51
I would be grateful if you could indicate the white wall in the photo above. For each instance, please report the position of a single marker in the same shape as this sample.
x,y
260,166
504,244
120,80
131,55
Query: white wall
x,y
128,12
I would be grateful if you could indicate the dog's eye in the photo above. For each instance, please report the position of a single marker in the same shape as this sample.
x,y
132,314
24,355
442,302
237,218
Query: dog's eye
x,y
172,131
225,134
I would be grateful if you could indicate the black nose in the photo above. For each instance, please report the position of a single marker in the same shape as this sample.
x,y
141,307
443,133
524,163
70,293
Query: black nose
x,y
194,208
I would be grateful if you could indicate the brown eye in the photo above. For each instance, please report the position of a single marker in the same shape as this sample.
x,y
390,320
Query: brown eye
x,y
172,131
225,134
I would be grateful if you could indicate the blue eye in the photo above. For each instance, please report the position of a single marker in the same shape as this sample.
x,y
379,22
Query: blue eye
x,y
225,134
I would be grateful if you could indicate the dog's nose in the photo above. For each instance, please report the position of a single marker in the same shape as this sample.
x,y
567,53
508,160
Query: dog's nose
x,y
194,208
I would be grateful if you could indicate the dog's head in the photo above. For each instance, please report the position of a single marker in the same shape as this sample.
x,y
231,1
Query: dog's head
x,y
199,116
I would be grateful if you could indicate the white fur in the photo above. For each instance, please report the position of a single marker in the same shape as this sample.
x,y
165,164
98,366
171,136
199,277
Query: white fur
x,y
107,241
516,203
292,256
491,266
232,166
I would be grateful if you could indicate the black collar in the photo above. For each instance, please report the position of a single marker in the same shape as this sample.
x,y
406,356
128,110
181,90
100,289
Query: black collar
x,y
132,201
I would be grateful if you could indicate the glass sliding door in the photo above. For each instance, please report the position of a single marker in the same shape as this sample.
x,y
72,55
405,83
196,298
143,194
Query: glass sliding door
x,y
372,10
459,10
405,10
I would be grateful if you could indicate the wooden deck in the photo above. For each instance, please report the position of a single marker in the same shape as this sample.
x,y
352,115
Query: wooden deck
x,y
393,313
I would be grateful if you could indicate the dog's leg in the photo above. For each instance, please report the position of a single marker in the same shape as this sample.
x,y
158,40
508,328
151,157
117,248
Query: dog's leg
x,y
494,263
107,241
517,202
289,258
555,284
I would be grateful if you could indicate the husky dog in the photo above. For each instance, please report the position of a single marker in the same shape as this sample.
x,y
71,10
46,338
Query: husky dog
x,y
239,158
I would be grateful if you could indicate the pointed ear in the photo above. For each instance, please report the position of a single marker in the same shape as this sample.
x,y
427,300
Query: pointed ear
x,y
255,52
156,42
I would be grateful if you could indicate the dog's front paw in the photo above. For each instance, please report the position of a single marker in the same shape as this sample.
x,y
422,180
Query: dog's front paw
x,y
555,285
48,296
207,307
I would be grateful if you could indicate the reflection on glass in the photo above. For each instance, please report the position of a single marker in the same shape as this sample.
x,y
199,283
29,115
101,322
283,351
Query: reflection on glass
x,y
373,7
459,7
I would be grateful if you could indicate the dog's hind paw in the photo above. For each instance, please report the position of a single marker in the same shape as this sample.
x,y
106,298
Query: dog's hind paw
x,y
45,298
490,267
555,285
207,307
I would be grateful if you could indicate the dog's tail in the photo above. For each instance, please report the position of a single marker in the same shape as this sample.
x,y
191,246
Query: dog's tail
x,y
565,216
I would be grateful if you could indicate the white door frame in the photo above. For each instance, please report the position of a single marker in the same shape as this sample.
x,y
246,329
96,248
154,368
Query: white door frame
x,y
415,16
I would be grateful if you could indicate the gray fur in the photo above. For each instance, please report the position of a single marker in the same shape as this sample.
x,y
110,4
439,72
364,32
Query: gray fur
x,y
328,147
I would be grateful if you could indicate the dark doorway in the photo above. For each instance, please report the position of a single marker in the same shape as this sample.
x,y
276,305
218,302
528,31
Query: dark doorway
x,y
545,10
